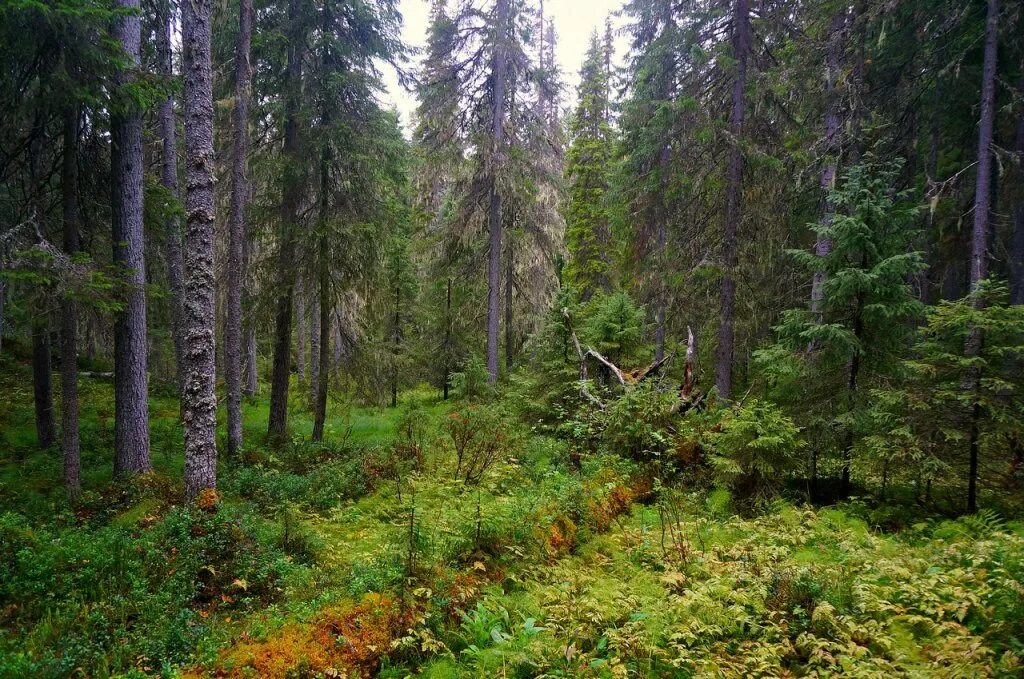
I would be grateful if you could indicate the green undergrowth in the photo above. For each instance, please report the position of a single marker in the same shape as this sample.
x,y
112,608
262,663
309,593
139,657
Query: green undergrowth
x,y
383,551
793,593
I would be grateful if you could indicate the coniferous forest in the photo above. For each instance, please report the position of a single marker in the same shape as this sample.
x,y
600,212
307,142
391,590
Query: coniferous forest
x,y
699,356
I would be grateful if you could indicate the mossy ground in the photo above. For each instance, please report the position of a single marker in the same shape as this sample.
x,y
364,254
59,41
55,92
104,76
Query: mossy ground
x,y
335,560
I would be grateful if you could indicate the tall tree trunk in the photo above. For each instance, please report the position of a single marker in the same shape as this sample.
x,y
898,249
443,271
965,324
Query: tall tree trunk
x,y
278,421
131,378
200,399
733,197
499,67
237,232
979,230
69,312
324,356
314,346
1017,240
300,330
823,243
169,179
42,382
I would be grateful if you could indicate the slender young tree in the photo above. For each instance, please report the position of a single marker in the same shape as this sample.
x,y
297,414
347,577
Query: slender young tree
x,y
980,231
69,310
290,197
131,379
199,397
237,231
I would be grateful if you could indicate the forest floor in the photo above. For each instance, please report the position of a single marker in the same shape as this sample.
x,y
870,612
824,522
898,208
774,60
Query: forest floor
x,y
366,556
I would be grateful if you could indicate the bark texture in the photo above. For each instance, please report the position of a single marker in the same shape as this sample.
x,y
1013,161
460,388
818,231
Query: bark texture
x,y
237,232
499,69
314,346
733,197
169,179
199,398
131,378
278,420
69,312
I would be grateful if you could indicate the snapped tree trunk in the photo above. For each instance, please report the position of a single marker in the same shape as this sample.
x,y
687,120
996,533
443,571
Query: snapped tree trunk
x,y
69,313
131,378
199,397
979,233
169,179
733,197
499,67
237,232
278,420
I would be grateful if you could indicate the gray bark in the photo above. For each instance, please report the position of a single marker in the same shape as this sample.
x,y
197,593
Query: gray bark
x,y
278,420
131,379
237,232
69,312
509,282
499,67
169,178
733,197
251,383
199,397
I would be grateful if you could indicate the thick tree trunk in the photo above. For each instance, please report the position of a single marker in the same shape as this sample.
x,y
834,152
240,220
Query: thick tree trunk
x,y
237,232
733,197
823,243
42,383
980,230
69,313
131,378
278,421
169,178
499,67
200,398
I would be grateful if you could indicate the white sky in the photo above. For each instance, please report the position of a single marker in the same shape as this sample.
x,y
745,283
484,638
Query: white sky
x,y
574,21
